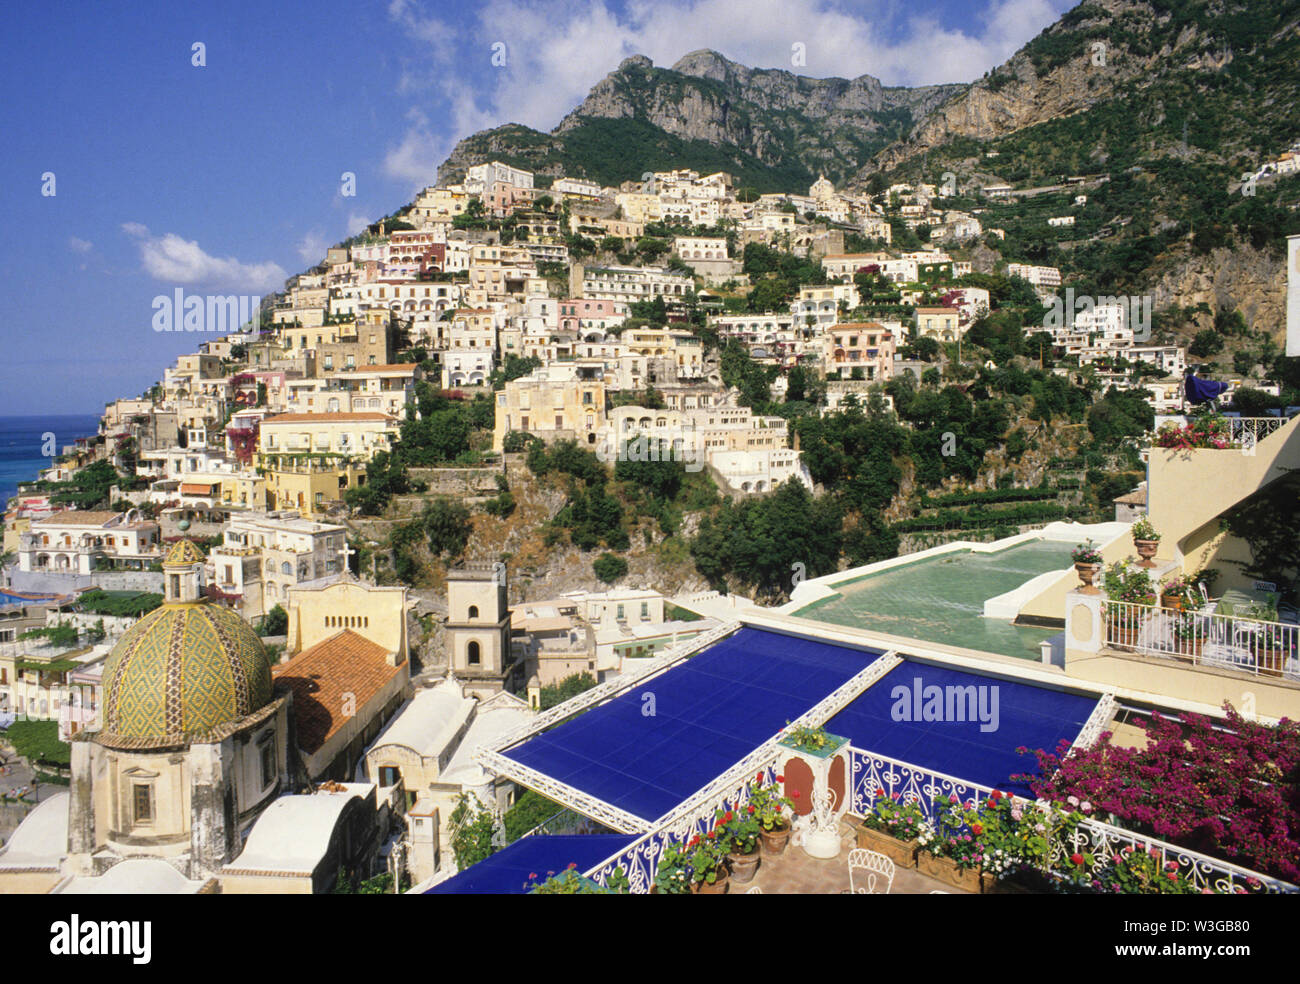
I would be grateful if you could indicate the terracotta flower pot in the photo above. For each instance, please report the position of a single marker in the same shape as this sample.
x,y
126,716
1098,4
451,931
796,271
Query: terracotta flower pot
x,y
946,871
1123,634
719,886
1087,574
902,853
1269,661
775,840
1146,550
1172,601
744,866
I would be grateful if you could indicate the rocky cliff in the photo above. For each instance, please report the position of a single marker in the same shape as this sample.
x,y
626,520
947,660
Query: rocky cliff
x,y
757,118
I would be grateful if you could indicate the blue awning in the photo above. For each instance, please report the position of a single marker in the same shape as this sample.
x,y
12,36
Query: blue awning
x,y
884,720
530,861
648,750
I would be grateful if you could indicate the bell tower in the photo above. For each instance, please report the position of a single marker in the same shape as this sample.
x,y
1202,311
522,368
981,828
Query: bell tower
x,y
478,629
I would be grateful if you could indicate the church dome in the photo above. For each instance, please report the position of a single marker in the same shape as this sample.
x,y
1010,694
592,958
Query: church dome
x,y
179,673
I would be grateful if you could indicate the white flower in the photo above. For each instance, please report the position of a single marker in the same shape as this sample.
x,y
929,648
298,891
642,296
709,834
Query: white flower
x,y
1086,807
1072,800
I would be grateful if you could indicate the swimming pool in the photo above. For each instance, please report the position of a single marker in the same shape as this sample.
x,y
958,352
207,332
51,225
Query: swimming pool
x,y
941,598
11,599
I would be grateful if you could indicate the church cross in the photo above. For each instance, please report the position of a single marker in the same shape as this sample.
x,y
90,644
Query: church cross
x,y
346,553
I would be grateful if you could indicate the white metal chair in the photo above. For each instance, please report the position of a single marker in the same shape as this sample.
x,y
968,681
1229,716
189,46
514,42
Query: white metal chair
x,y
755,891
870,872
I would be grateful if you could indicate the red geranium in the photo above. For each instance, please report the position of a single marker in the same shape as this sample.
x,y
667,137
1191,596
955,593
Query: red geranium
x,y
1076,859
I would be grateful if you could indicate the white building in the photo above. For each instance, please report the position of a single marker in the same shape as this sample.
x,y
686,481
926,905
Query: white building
x,y
264,554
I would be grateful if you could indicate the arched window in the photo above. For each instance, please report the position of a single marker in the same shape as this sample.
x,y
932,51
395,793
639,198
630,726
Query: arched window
x,y
286,568
473,612
472,653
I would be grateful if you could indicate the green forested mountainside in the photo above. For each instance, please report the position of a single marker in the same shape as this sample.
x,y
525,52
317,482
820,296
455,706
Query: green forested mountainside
x,y
1191,95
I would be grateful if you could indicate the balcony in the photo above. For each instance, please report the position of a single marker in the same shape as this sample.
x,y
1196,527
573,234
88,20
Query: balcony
x,y
1254,646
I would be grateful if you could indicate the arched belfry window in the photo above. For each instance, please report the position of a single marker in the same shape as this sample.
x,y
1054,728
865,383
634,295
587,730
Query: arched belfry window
x,y
472,653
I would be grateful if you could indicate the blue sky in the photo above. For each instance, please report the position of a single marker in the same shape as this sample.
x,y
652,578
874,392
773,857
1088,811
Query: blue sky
x,y
226,178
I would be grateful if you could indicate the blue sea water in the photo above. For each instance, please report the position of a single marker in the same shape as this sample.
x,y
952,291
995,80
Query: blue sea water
x,y
21,440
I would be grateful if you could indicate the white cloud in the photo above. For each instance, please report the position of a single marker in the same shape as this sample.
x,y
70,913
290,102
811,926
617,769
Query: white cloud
x,y
311,248
79,245
556,51
357,222
180,261
417,156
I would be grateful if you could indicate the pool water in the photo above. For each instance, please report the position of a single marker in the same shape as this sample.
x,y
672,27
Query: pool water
x,y
941,599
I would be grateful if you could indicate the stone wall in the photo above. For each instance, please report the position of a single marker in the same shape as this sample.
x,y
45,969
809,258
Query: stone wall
x,y
458,481
128,580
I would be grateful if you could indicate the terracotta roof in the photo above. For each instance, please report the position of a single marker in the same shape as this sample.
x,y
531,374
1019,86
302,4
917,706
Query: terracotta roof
x,y
327,418
75,517
1138,497
320,677
198,488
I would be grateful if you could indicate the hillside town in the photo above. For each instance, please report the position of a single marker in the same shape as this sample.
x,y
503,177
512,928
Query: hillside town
x,y
354,719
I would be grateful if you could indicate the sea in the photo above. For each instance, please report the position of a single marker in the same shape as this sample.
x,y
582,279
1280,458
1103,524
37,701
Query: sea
x,y
23,438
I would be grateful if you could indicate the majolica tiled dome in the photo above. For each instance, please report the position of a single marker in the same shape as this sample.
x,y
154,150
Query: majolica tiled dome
x,y
180,672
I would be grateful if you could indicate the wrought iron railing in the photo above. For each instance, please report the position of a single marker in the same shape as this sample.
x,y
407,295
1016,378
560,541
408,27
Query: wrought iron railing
x,y
1248,431
1205,638
640,859
872,773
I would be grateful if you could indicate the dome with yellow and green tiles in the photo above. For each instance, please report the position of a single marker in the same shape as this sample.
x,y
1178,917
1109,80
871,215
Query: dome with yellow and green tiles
x,y
182,671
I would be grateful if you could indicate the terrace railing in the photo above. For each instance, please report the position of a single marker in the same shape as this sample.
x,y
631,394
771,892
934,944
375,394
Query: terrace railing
x,y
1207,639
640,859
1248,431
872,772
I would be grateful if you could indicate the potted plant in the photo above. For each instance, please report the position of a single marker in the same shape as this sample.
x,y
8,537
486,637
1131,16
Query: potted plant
x,y
1087,563
952,853
708,863
814,740
1268,641
1126,587
1176,593
742,829
893,828
1146,541
1188,636
769,803
673,875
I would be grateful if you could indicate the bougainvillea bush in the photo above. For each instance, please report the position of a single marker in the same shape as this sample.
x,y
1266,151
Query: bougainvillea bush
x,y
1203,432
1231,792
